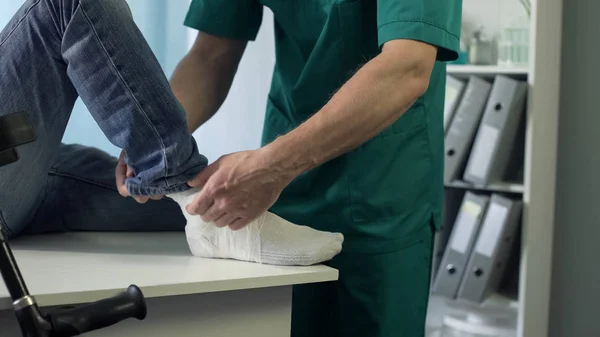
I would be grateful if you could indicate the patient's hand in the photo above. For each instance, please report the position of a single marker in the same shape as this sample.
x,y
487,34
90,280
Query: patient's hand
x,y
122,172
237,188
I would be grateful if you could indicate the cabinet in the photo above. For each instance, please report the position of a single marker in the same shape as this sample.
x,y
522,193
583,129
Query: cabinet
x,y
537,189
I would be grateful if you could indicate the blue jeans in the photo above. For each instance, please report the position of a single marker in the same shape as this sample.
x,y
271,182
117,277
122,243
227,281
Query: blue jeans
x,y
51,53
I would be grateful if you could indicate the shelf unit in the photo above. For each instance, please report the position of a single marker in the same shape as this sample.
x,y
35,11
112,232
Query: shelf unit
x,y
458,70
455,190
538,189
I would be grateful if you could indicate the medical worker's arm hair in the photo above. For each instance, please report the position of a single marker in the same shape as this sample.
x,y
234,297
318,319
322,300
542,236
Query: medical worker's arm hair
x,y
373,99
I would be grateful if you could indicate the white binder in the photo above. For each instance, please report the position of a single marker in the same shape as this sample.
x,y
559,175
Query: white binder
x,y
496,135
462,130
460,245
492,249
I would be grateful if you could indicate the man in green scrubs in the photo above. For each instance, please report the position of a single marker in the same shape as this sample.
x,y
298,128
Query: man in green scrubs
x,y
353,143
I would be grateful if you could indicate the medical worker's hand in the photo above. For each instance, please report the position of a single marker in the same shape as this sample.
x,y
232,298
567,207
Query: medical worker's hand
x,y
237,188
122,172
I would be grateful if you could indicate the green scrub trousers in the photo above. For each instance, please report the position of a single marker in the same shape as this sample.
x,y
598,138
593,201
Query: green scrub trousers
x,y
376,295
385,196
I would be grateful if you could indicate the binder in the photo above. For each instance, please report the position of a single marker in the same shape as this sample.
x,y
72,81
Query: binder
x,y
454,91
463,127
460,245
492,249
452,200
496,134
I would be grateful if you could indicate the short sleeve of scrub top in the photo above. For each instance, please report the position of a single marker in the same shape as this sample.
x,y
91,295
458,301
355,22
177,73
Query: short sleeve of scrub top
x,y
436,22
234,19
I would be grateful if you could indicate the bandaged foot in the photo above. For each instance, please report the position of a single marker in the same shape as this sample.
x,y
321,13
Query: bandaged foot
x,y
269,239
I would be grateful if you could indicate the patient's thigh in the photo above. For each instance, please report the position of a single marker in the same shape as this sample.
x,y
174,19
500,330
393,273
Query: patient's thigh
x,y
81,194
33,80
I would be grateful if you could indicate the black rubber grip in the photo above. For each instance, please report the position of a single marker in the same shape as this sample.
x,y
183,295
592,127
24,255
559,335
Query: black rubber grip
x,y
100,314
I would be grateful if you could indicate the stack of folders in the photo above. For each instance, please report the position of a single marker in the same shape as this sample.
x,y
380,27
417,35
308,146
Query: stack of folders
x,y
478,249
482,130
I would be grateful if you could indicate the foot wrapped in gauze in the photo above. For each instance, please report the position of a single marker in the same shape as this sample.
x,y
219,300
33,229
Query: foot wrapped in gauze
x,y
269,239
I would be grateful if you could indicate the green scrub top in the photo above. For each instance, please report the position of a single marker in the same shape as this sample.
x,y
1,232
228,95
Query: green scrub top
x,y
388,191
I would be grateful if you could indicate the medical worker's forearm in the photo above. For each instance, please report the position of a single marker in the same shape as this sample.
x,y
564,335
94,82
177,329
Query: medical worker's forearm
x,y
204,76
200,88
373,99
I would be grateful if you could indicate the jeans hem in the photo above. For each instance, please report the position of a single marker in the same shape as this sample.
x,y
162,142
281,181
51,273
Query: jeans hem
x,y
137,190
54,172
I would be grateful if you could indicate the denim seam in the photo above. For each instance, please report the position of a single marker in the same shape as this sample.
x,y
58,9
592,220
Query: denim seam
x,y
19,23
164,150
67,175
174,187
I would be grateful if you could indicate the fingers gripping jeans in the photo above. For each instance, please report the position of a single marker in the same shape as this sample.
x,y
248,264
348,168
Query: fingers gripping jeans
x,y
54,51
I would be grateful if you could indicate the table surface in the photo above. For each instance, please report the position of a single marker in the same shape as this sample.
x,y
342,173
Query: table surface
x,y
75,268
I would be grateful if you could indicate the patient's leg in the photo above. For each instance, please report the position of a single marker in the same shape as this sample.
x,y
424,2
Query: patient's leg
x,y
81,195
269,239
54,51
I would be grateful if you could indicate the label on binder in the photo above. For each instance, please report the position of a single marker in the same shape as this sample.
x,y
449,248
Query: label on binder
x,y
465,223
449,102
483,151
488,237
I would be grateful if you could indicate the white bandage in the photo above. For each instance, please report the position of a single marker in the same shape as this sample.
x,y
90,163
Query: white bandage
x,y
268,239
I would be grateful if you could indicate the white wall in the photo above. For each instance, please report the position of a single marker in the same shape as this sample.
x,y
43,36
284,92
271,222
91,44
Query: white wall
x,y
238,124
492,14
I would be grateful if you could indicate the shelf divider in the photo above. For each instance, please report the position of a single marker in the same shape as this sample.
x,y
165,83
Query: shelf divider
x,y
502,187
486,71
